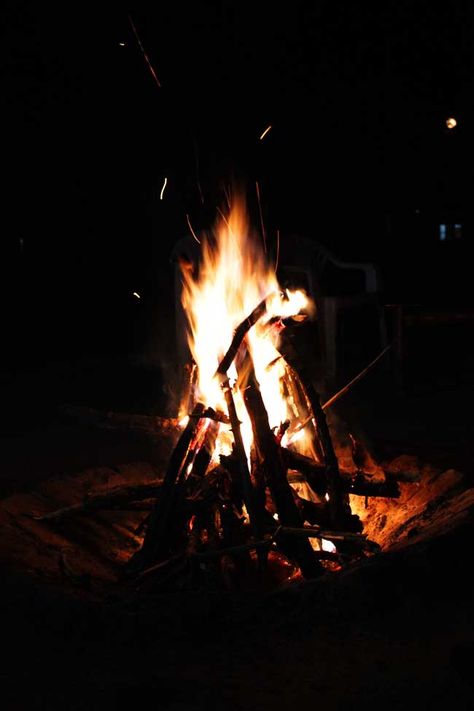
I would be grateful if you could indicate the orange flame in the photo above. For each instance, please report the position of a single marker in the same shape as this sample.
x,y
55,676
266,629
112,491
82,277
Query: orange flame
x,y
233,278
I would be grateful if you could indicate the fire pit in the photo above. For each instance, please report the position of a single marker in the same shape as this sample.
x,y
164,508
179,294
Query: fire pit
x,y
256,490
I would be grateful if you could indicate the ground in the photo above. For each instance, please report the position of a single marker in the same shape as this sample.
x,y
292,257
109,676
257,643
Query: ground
x,y
394,631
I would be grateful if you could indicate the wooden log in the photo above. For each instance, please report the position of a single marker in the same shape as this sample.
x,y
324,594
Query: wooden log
x,y
314,472
215,415
239,335
123,498
275,475
204,456
248,492
317,532
155,543
357,485
338,500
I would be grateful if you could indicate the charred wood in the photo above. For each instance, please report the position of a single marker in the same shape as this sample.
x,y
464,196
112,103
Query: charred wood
x,y
239,336
123,498
338,500
275,475
155,543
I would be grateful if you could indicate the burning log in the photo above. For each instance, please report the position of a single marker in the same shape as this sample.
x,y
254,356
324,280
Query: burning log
x,y
275,475
338,502
357,484
245,480
239,335
155,541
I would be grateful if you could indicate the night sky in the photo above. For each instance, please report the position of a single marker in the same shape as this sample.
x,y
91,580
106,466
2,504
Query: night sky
x,y
359,156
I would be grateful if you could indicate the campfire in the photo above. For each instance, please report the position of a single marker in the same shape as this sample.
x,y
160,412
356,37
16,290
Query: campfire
x,y
249,486
254,480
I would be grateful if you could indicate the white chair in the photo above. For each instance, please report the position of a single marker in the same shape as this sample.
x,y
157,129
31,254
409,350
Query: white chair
x,y
309,263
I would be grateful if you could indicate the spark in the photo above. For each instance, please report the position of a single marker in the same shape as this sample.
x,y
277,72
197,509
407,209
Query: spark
x,y
451,122
261,217
122,44
163,188
265,132
136,295
145,55
224,218
192,231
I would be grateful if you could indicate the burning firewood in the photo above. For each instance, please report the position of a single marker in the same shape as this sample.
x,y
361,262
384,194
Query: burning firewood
x,y
231,493
275,475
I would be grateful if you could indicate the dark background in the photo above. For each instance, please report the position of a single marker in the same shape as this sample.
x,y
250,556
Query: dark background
x,y
359,156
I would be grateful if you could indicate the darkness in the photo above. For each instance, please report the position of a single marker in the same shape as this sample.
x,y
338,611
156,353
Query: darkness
x,y
359,156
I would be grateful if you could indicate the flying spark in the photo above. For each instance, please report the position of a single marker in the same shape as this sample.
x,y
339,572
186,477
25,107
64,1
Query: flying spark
x,y
192,231
163,189
265,132
136,295
145,55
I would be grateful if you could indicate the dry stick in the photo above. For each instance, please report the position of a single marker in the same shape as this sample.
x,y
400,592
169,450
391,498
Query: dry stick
x,y
124,498
275,475
356,485
247,488
159,517
131,499
347,387
316,532
239,335
338,501
355,380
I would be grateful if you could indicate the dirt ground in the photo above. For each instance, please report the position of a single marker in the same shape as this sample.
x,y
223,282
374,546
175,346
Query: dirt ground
x,y
394,631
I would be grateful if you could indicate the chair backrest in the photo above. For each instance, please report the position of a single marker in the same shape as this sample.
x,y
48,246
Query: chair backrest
x,y
323,272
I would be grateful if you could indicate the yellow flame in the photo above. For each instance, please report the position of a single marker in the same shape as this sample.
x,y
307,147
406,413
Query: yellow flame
x,y
233,278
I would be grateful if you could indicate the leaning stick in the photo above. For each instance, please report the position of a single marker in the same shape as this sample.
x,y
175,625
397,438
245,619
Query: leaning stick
x,y
159,519
355,380
239,335
123,498
345,389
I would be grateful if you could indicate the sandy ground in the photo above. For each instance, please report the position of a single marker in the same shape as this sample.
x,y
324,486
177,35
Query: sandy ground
x,y
394,631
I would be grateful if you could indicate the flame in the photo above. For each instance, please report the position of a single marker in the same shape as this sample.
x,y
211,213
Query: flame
x,y
234,276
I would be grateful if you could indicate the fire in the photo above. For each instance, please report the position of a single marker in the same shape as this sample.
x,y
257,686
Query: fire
x,y
234,276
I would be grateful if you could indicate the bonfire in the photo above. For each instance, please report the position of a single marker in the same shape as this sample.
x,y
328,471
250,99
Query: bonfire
x,y
254,478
